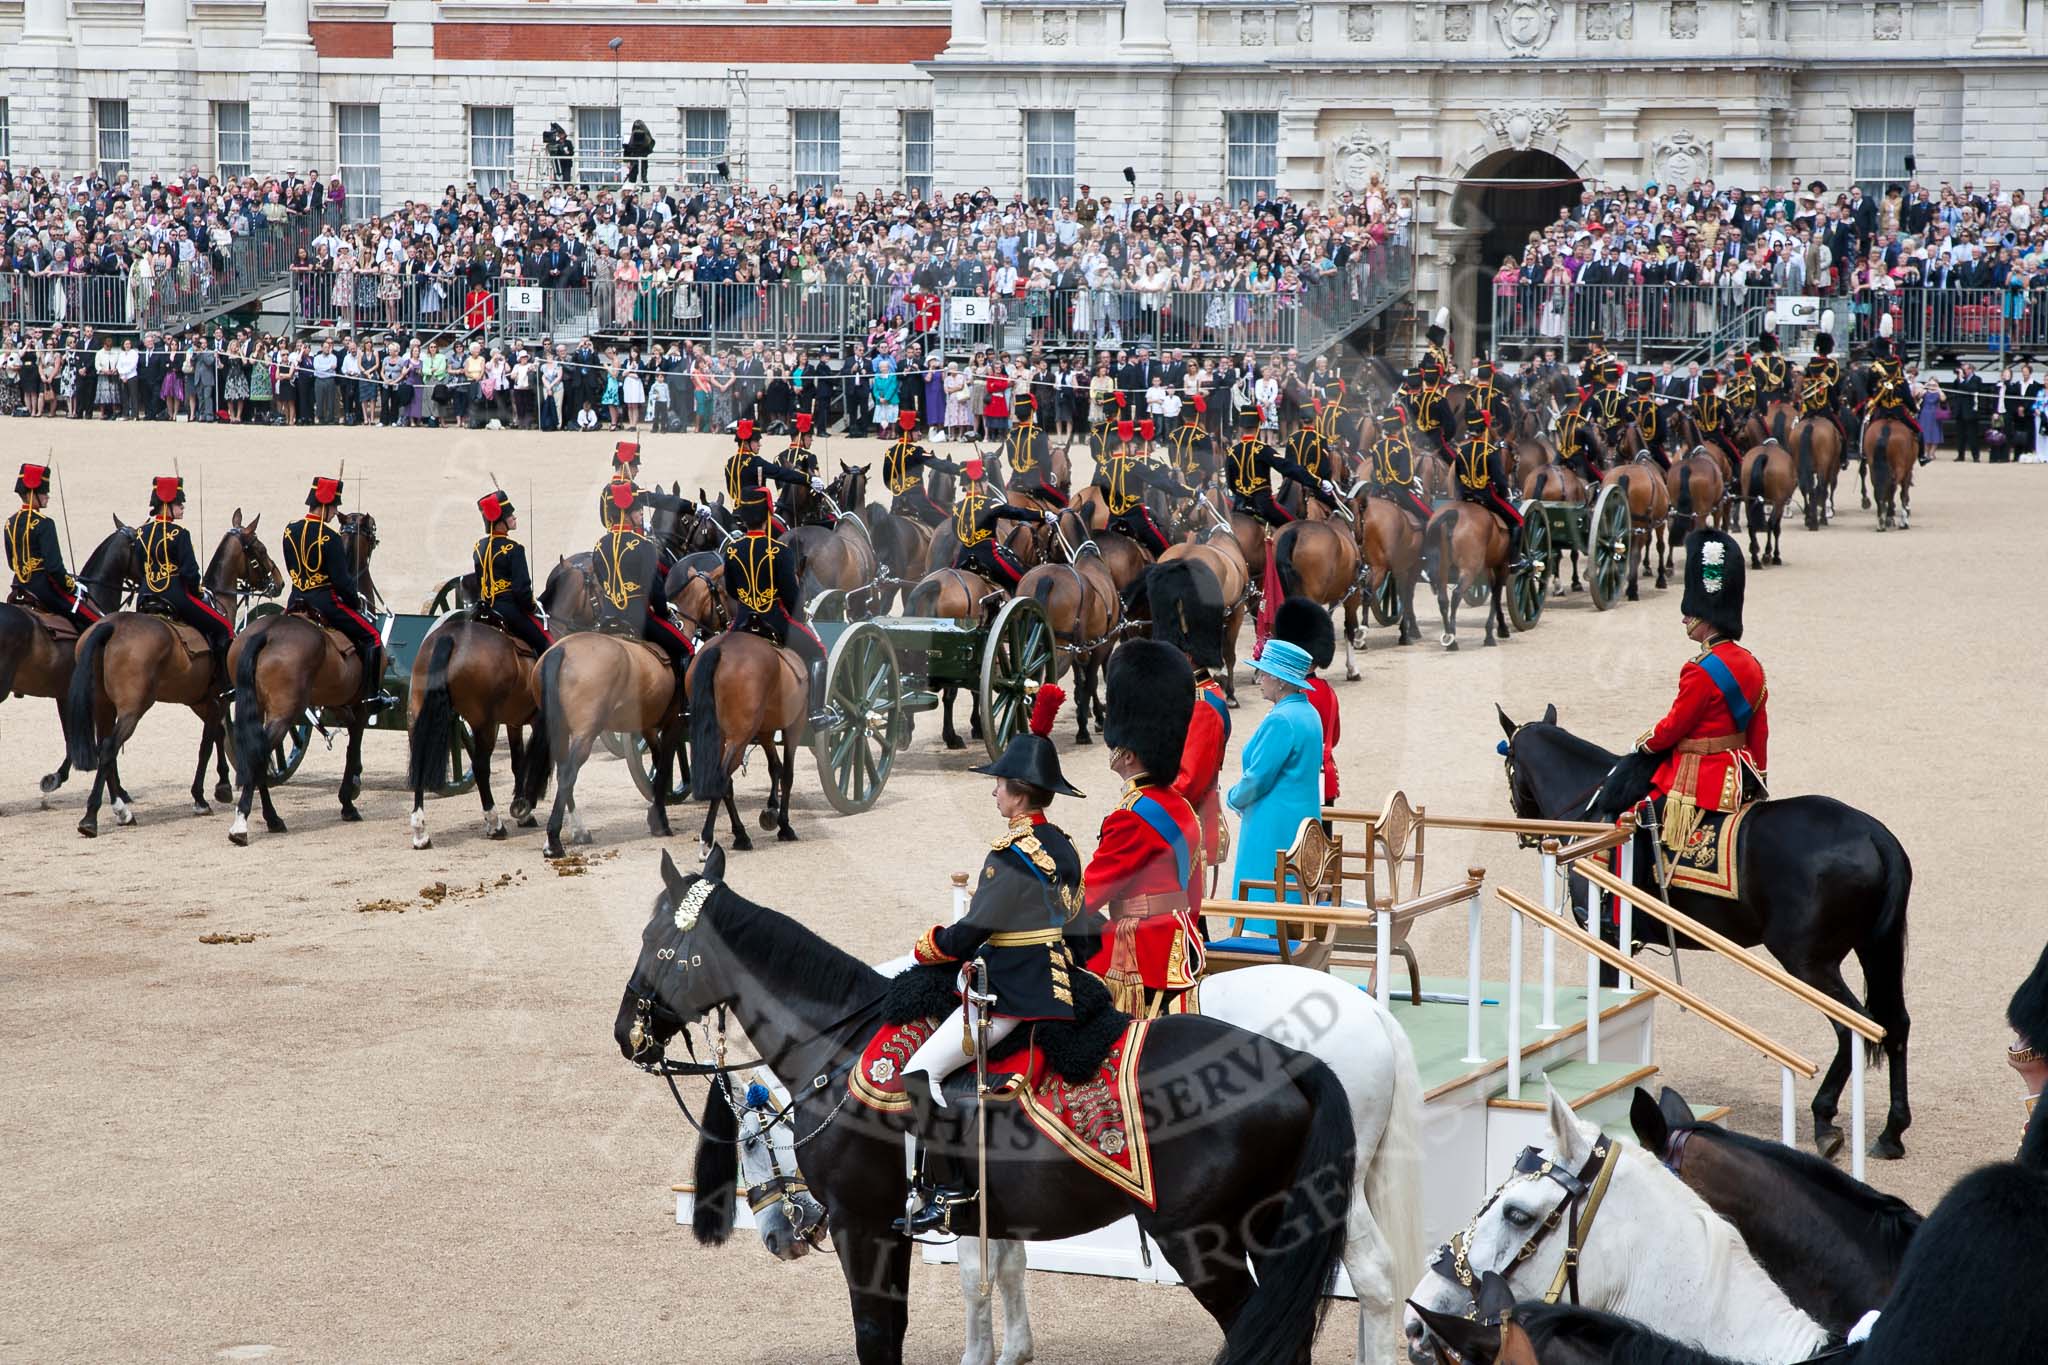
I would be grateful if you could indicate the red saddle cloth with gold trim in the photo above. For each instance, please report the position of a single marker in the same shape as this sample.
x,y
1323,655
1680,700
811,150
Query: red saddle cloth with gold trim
x,y
1100,1122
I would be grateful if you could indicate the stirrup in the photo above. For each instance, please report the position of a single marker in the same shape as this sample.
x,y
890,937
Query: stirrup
x,y
934,1213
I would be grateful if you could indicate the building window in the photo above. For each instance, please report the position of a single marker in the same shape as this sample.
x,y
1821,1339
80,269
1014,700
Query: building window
x,y
359,154
1251,154
917,151
598,148
6,139
231,139
110,120
1884,139
490,147
1049,154
817,148
703,144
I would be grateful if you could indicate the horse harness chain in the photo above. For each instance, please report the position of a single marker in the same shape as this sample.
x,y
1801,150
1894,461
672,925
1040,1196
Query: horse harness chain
x,y
1584,1192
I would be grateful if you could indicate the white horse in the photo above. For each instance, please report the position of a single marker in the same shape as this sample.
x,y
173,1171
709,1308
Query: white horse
x,y
1332,1020
1652,1251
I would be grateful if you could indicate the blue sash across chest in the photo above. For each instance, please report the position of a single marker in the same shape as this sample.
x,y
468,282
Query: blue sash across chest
x,y
1718,672
1154,814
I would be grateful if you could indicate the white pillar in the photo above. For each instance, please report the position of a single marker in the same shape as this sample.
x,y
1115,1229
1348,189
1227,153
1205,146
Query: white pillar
x,y
970,27
46,21
287,23
1145,28
165,24
2003,24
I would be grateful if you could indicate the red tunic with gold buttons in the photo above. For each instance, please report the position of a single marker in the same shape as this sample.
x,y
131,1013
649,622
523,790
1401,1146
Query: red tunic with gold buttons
x,y
1146,878
1201,765
1702,737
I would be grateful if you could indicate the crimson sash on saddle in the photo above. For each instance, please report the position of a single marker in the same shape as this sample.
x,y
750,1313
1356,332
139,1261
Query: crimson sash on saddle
x,y
1100,1123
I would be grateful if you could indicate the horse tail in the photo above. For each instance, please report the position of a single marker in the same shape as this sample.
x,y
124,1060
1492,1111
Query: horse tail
x,y
17,634
80,700
1684,508
1805,458
1753,477
248,717
1436,542
1883,950
1393,1178
551,725
431,728
1283,564
707,743
712,1209
1285,1311
923,597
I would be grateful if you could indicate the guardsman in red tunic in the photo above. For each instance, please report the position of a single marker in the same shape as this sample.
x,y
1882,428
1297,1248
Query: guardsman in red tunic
x,y
1188,613
1145,880
1718,730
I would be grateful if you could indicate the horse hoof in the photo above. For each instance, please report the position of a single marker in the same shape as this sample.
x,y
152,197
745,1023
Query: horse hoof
x,y
201,808
1490,642
350,815
1351,674
521,812
955,742
659,830
50,783
552,848
770,818
1888,1148
581,838
274,826
123,816
1827,1140
1866,504
1082,739
223,792
495,832
742,841
239,838
527,821
89,828
785,835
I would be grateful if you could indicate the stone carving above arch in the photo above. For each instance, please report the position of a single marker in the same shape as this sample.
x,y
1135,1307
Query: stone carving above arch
x,y
1681,157
1525,25
1521,124
1356,157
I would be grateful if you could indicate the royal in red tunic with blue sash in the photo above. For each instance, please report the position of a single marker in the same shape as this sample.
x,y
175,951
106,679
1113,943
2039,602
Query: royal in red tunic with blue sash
x,y
1718,723
1146,879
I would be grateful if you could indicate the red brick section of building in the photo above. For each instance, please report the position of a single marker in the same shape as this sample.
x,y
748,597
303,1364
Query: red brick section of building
x,y
697,43
351,39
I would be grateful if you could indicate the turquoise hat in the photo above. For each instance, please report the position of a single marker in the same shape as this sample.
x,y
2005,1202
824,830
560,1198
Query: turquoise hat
x,y
1287,662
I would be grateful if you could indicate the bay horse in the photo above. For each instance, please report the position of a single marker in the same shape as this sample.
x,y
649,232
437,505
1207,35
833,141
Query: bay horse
x,y
591,682
839,556
130,661
1819,879
1390,543
472,671
1465,543
1084,605
1251,1193
1216,549
36,648
1649,510
1768,482
285,666
1832,1243
1696,484
957,595
903,544
744,690
1319,560
1889,453
1817,443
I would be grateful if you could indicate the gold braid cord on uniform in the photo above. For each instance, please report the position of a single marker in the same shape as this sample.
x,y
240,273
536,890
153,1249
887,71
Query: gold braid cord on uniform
x,y
896,470
735,474
965,515
310,569
21,529
1120,498
489,551
618,589
756,590
159,568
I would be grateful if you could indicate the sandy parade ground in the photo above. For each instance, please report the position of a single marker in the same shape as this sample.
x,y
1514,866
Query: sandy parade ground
x,y
274,1098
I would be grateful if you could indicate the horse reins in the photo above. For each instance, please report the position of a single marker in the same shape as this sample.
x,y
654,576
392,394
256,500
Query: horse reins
x,y
1584,1191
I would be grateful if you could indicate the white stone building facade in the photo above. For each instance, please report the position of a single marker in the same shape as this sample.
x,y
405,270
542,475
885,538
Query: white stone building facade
x,y
1430,96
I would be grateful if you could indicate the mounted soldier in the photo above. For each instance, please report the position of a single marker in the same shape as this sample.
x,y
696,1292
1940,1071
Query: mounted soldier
x,y
1029,453
1574,436
1482,478
1190,449
324,587
1339,427
1188,614
1390,471
626,461
1123,479
746,470
1028,893
35,558
1437,342
1610,404
1741,392
761,577
1891,396
1486,402
975,519
800,457
1144,880
1773,375
1711,749
1821,387
903,466
1593,369
632,595
504,583
1249,467
1434,417
1715,421
1646,411
1306,447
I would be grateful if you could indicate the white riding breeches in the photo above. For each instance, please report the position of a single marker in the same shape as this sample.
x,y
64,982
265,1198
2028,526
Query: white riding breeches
x,y
945,1051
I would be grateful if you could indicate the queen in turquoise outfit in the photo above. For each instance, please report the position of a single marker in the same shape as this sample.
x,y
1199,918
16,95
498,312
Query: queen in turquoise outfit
x,y
1283,766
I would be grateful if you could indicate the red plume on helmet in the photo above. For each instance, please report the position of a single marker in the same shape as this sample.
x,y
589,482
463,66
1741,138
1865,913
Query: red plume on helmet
x,y
803,423
167,489
622,494
32,479
973,469
326,492
625,452
907,420
1200,403
1045,709
494,505
1125,428
1146,429
743,431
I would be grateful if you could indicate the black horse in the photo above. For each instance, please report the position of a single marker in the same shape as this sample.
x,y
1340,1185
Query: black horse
x,y
1831,1242
1819,880
1251,1143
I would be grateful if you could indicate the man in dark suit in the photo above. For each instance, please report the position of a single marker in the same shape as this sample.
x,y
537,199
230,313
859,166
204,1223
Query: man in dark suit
x,y
1136,377
149,375
1968,403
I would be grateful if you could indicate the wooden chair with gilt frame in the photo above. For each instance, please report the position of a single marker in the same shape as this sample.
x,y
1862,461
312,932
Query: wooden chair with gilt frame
x,y
1310,870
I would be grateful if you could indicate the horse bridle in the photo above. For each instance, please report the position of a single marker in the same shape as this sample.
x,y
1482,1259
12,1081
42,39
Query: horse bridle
x,y
1584,1190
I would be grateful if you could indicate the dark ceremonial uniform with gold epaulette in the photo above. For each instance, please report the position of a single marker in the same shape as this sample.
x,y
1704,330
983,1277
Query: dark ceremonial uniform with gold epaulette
x,y
1123,479
170,583
1741,392
37,562
1610,410
1306,447
1574,447
1028,453
760,573
1716,422
1481,478
747,470
1772,375
1248,467
1391,471
1190,448
1647,412
632,596
1338,426
903,466
504,591
975,518
1028,890
324,587
1433,418
1892,397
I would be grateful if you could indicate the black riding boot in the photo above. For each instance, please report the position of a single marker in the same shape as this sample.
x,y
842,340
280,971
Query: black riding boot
x,y
822,717
373,698
939,1191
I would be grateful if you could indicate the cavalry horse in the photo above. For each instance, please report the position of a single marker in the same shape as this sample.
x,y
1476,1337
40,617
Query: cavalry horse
x,y
904,543
744,690
569,594
1696,485
1083,604
1768,481
287,665
956,595
1818,879
1465,543
1816,443
1889,452
472,671
1251,1205
840,555
1319,560
36,648
1217,549
130,661
591,682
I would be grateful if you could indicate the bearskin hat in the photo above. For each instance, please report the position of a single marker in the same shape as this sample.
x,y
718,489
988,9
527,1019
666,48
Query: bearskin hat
x,y
1151,701
1187,610
2028,1012
1824,344
1767,341
1303,623
1435,334
1714,580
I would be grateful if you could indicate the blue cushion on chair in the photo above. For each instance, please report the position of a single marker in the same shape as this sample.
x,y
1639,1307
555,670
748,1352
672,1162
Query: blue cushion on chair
x,y
1248,943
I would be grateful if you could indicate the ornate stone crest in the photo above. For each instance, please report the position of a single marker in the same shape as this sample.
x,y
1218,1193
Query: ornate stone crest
x,y
1685,18
1605,20
1055,31
1681,158
1457,23
1304,23
1356,158
1358,23
1522,124
1252,28
1525,25
1888,22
